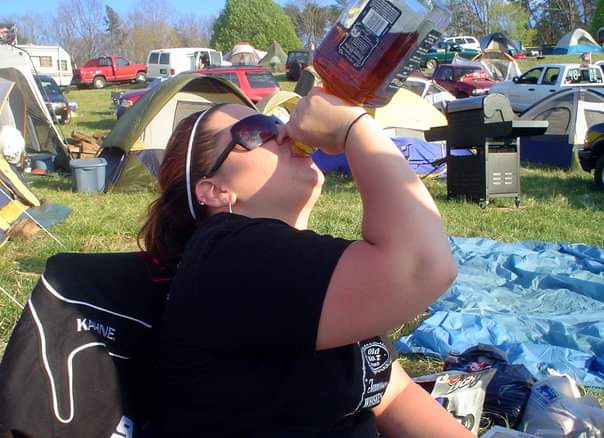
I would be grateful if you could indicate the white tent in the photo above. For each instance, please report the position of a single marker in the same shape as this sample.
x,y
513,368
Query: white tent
x,y
577,41
499,66
570,113
244,54
26,109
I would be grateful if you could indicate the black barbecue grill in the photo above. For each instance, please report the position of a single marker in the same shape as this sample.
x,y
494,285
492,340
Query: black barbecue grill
x,y
485,127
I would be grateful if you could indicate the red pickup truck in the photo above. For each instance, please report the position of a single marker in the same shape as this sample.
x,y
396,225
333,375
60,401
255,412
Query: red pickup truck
x,y
97,72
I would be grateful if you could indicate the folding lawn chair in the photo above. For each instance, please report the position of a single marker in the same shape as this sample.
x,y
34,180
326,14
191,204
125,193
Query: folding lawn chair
x,y
79,361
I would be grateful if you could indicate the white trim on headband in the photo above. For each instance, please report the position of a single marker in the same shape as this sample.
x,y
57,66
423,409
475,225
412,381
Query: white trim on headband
x,y
188,164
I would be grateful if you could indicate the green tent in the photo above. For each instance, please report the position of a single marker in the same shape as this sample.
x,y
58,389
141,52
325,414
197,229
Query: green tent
x,y
134,148
274,51
25,108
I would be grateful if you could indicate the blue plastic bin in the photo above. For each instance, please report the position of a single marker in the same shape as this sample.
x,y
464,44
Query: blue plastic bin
x,y
88,174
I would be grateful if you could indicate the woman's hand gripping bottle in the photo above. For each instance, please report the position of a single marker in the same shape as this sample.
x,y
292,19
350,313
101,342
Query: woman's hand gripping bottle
x,y
374,46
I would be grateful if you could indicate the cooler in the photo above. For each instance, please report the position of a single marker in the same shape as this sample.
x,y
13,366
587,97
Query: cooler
x,y
88,174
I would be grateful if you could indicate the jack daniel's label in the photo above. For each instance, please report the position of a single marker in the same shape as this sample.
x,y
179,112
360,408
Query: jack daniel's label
x,y
368,30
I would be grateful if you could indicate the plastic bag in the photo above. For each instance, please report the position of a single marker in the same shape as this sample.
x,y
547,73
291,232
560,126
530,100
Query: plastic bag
x,y
462,395
556,410
507,393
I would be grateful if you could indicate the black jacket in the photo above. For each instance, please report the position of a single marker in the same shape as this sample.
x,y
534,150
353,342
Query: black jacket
x,y
78,361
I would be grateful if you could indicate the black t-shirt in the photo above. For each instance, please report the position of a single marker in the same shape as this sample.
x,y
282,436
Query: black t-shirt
x,y
237,341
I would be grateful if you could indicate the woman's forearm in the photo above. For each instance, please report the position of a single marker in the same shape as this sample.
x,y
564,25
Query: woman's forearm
x,y
415,414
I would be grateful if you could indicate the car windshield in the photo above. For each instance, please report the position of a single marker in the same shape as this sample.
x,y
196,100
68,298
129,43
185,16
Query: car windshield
x,y
261,79
48,87
301,57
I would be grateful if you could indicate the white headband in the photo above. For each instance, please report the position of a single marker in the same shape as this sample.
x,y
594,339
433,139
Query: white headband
x,y
188,164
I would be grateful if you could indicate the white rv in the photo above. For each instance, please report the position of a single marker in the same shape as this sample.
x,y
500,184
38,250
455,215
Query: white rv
x,y
51,61
170,62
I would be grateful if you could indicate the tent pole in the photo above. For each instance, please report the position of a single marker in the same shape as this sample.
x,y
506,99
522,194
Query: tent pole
x,y
35,221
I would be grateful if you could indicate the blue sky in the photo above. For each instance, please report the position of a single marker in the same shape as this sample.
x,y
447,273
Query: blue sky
x,y
198,7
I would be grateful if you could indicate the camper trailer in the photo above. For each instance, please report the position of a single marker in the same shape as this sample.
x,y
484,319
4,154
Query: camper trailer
x,y
170,62
51,61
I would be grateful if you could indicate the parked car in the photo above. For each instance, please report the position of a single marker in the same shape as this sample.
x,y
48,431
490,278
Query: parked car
x,y
467,42
297,60
124,100
99,71
255,82
428,90
463,80
55,101
543,80
591,157
444,52
170,62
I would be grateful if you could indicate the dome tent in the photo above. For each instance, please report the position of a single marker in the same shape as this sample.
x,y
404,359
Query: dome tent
x,y
499,65
15,196
577,41
570,112
244,53
27,111
501,42
134,148
275,52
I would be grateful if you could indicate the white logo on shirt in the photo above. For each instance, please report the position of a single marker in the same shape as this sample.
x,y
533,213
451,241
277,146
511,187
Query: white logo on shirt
x,y
84,324
377,356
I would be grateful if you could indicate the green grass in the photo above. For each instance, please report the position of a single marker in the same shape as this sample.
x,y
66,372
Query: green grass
x,y
529,62
556,206
96,113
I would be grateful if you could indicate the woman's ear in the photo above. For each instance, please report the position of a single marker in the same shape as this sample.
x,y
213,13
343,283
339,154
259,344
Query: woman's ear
x,y
208,193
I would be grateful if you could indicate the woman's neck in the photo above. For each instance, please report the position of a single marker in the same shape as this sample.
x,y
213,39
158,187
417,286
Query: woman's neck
x,y
297,220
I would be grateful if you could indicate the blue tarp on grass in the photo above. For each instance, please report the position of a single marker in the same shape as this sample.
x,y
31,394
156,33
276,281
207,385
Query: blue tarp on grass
x,y
542,303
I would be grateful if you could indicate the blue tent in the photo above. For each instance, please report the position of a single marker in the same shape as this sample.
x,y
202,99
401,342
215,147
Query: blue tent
x,y
577,41
501,42
425,158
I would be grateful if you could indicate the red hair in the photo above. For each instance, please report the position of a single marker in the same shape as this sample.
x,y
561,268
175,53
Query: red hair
x,y
169,224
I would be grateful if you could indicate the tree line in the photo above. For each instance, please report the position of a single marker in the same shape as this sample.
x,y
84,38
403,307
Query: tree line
x,y
88,28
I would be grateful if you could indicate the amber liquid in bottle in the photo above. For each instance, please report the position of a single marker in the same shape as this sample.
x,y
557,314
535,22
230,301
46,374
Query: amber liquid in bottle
x,y
362,86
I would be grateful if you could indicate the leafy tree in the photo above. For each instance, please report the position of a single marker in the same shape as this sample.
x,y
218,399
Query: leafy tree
x,y
311,20
113,27
598,18
259,22
511,18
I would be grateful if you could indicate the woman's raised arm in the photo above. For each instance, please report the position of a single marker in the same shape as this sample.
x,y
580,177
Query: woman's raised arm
x,y
403,262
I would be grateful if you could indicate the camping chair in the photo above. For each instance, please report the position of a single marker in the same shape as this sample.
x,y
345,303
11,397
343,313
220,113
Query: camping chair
x,y
78,363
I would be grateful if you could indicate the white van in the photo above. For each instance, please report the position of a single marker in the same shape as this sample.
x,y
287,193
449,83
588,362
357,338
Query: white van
x,y
51,61
467,42
170,62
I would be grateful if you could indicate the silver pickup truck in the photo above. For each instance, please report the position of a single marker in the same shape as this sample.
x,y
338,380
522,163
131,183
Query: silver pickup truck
x,y
542,80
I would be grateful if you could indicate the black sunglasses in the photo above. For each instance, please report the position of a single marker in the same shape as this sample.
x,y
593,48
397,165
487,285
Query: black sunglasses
x,y
250,133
